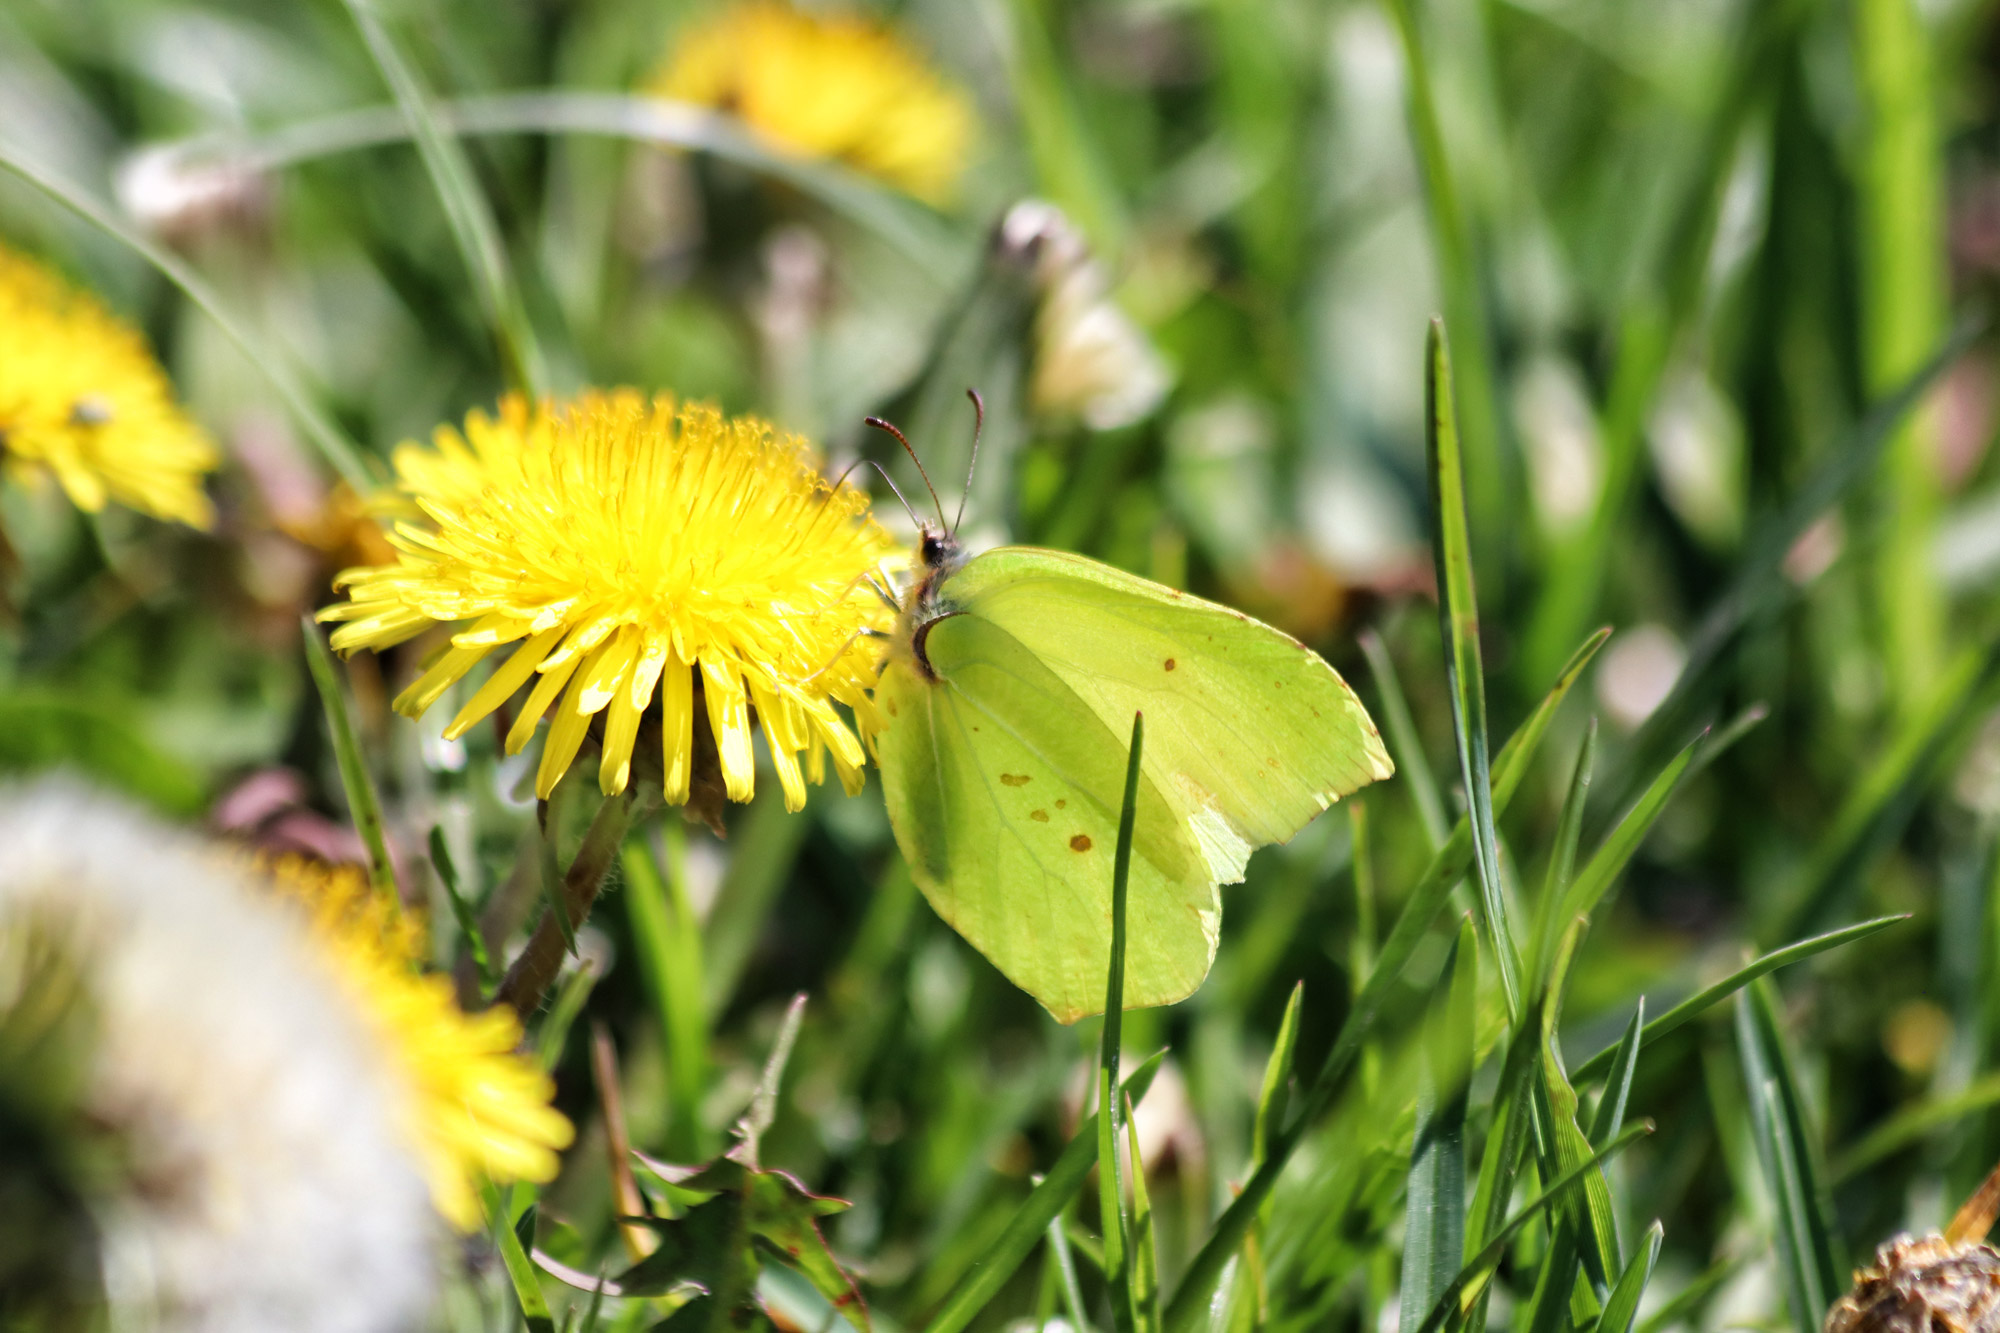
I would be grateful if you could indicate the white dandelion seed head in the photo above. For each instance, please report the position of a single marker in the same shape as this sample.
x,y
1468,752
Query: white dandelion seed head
x,y
267,1187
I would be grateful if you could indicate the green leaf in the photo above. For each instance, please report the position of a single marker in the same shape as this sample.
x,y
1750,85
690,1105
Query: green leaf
x,y
1566,1144
1458,616
520,1272
1604,1125
1110,1185
1434,1226
1562,858
1405,747
1459,1294
461,912
1702,1001
1032,1220
1142,1249
1623,1305
472,225
362,804
1787,1152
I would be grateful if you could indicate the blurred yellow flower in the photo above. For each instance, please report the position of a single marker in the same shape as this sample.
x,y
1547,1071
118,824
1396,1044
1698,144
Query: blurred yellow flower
x,y
827,85
82,396
475,1106
635,548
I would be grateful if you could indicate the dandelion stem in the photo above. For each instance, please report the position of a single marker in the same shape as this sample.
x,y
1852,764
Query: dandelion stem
x,y
529,977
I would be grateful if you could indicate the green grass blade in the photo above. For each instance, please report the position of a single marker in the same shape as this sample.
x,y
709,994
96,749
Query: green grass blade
x,y
1610,1116
1110,1186
333,444
1687,1302
1565,1143
667,939
1413,922
363,806
461,912
1142,1246
471,221
1562,859
1404,745
1914,1123
1434,1213
764,846
562,1015
1804,1239
1458,614
1623,1305
550,820
1618,847
1068,163
520,1270
1704,1000
1273,1097
1065,1262
1032,1220
1458,1295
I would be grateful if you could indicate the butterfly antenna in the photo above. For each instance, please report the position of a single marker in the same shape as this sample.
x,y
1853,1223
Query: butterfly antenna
x,y
978,429
897,489
903,440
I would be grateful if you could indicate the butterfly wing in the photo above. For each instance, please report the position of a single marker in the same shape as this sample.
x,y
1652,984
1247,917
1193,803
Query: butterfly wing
x,y
1004,788
1249,734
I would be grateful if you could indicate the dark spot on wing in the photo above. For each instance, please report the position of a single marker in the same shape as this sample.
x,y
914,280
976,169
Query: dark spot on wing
x,y
892,707
1170,664
1015,779
1061,804
1080,843
1039,816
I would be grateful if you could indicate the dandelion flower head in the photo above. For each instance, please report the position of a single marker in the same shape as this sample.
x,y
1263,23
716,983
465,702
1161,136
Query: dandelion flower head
x,y
827,85
82,397
262,1179
473,1105
630,550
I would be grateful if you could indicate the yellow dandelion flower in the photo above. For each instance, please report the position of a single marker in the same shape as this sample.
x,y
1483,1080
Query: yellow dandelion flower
x,y
827,85
82,396
474,1106
635,550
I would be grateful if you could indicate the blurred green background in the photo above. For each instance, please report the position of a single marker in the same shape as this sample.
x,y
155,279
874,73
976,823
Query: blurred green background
x,y
1702,264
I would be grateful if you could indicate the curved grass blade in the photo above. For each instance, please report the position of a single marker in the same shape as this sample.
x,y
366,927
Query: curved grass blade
x,y
1562,859
1623,841
1589,1215
925,238
1458,616
340,453
471,221
1604,1125
1622,1307
1110,1185
1413,922
1912,1123
362,804
514,1257
1031,1221
1403,740
462,913
1458,1294
1702,1001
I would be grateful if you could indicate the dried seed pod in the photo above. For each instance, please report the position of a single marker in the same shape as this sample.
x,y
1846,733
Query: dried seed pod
x,y
1926,1284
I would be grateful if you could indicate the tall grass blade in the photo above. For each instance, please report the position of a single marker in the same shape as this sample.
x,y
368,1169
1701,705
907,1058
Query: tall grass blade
x,y
1142,1246
764,845
1623,841
1562,858
514,1258
1914,1123
1434,1213
1565,1144
667,939
554,1034
1623,1305
1610,1115
1804,1243
471,221
363,806
1707,998
1458,616
1110,1187
1404,744
1032,1220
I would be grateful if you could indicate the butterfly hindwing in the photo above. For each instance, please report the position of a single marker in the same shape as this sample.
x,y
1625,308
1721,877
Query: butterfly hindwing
x,y
1249,734
1004,787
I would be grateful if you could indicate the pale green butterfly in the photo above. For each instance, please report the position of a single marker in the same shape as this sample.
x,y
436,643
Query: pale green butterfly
x,y
1008,692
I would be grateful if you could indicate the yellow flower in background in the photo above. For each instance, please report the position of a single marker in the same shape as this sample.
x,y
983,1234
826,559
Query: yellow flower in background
x,y
82,396
633,550
474,1105
827,85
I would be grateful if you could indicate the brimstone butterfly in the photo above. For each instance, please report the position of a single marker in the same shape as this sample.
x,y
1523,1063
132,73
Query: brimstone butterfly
x,y
1007,696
